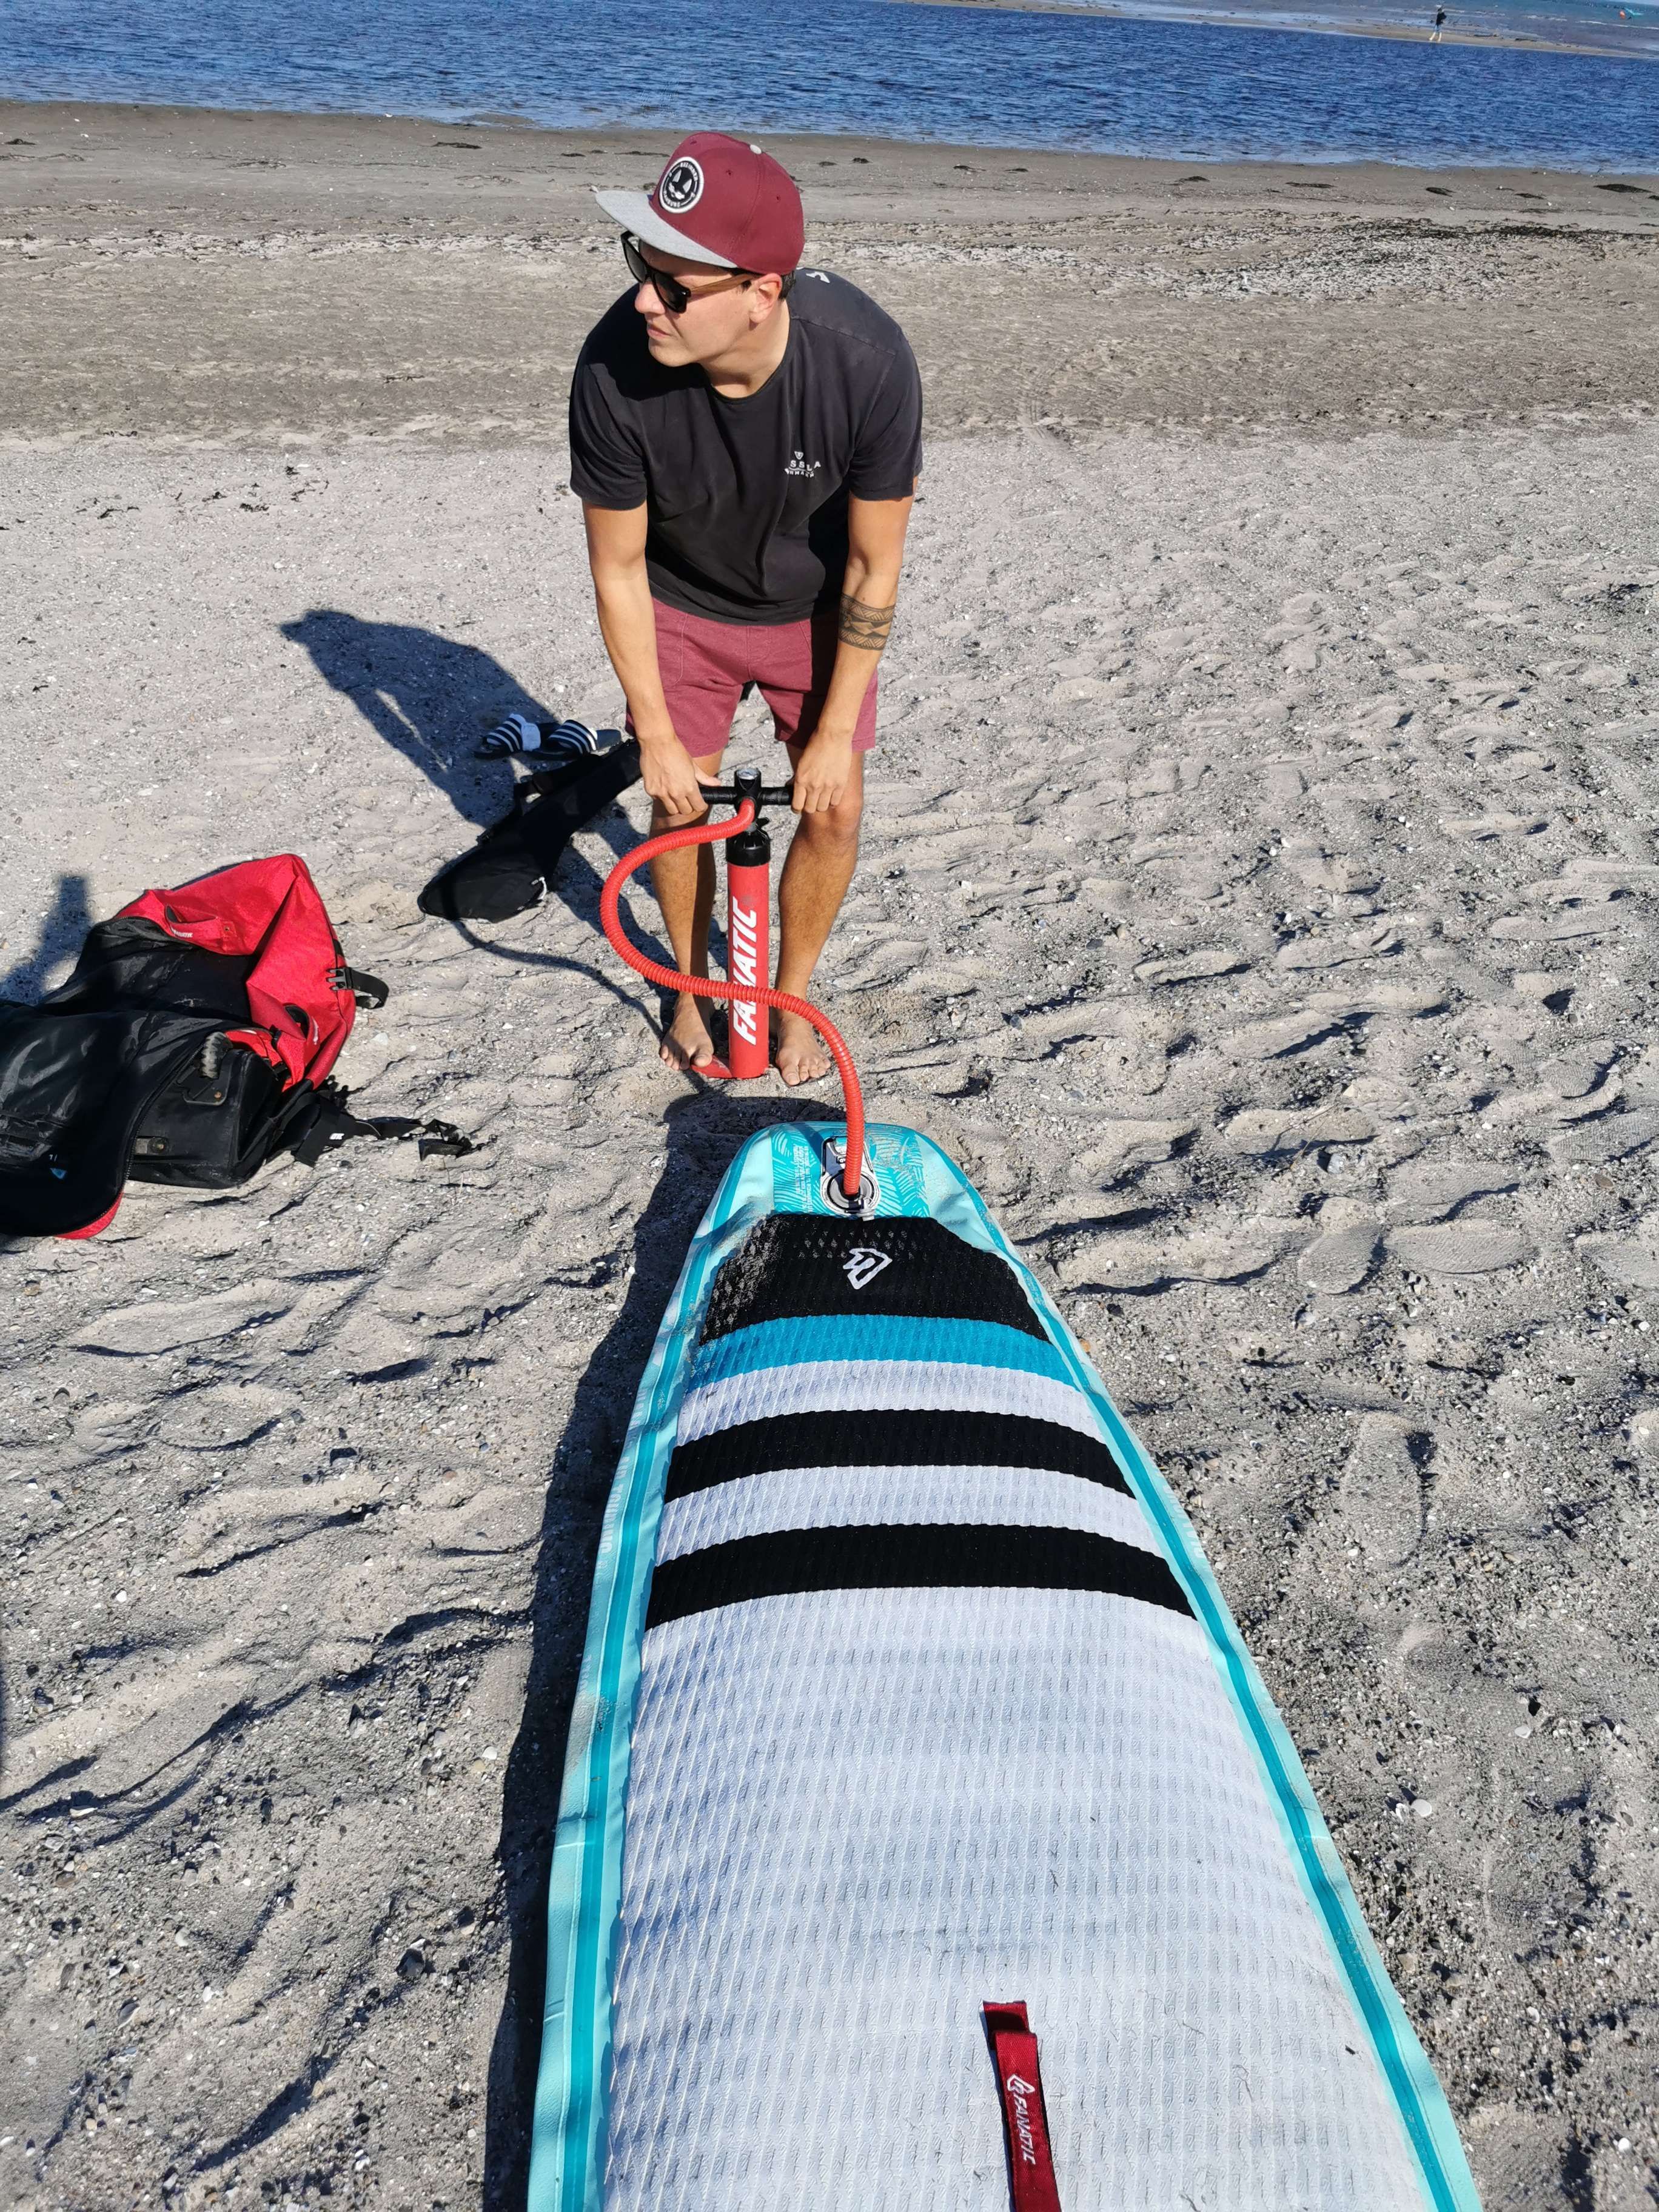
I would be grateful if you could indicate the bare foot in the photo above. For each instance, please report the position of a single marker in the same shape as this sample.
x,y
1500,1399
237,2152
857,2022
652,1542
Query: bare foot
x,y
686,1043
798,1055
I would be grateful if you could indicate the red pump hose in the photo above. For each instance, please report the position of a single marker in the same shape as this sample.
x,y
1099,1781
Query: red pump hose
x,y
759,994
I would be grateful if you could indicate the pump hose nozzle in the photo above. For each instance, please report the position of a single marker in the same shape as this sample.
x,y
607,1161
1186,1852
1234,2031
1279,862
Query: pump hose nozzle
x,y
758,995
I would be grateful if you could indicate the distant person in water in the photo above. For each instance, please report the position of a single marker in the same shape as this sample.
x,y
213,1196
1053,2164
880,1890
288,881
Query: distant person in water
x,y
1439,26
745,439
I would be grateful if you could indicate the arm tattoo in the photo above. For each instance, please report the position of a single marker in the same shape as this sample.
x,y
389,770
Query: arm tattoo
x,y
863,625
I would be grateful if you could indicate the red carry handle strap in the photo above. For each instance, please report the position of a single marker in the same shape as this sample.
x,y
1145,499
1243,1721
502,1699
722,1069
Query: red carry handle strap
x,y
1024,2117
759,994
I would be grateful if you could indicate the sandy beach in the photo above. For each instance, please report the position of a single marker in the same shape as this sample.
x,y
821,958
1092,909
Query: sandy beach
x,y
1257,899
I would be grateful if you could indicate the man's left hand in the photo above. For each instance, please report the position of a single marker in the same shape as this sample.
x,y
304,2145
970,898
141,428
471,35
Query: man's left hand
x,y
822,773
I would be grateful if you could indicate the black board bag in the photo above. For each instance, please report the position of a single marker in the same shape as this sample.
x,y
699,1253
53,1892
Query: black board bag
x,y
511,866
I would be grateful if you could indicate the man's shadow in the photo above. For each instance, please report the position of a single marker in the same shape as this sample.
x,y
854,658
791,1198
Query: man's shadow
x,y
431,700
60,931
428,697
703,1133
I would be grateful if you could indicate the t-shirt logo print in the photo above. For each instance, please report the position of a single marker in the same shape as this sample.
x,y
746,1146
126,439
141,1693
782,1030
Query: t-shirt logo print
x,y
680,187
800,466
862,1265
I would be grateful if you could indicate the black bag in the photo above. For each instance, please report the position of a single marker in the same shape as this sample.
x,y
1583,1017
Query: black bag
x,y
192,1044
511,866
218,1120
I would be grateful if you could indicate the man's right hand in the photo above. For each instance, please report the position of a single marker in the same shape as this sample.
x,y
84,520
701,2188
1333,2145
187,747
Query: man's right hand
x,y
670,776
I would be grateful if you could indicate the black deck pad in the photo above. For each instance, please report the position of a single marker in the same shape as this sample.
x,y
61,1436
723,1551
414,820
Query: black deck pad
x,y
888,1438
795,1265
794,1560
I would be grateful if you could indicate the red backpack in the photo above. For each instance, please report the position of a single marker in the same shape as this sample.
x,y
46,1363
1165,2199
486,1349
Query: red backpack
x,y
192,1042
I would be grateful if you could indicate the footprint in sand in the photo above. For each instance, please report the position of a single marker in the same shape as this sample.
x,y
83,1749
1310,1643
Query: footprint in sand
x,y
1190,967
1484,826
221,1417
1573,1075
242,1525
1125,1145
440,1272
1536,987
1381,1489
1454,1355
1461,1248
1595,884
140,1730
1586,1106
1423,1192
112,1424
1316,870
1591,917
168,1325
1305,954
1615,1136
1282,784
1632,1262
194,1226
1346,1250
1128,1263
1324,1017
887,961
1260,1134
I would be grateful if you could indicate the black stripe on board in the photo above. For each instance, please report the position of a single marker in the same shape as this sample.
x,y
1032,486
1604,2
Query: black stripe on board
x,y
790,1266
790,1562
862,1438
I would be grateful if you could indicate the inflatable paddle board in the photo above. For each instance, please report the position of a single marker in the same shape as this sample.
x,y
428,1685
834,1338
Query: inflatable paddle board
x,y
928,1841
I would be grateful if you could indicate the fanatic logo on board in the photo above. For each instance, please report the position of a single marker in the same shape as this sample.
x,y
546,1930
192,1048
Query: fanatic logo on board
x,y
862,1265
800,466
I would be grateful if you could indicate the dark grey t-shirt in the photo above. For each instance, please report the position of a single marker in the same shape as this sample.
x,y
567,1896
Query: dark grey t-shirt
x,y
747,498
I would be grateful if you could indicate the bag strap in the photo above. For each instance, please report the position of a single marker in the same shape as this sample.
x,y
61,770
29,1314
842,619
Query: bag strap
x,y
334,1124
368,990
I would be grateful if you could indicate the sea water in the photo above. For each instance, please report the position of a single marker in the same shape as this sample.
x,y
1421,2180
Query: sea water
x,y
983,76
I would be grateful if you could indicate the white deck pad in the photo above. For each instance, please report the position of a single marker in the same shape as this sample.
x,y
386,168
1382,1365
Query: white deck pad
x,y
907,1691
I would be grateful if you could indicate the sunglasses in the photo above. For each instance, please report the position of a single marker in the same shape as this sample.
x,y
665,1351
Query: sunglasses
x,y
673,295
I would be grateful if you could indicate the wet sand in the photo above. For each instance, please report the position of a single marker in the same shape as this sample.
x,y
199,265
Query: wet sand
x,y
1257,899
1634,42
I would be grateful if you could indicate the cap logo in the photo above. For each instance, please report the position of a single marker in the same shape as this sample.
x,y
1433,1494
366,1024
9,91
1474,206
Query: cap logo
x,y
680,187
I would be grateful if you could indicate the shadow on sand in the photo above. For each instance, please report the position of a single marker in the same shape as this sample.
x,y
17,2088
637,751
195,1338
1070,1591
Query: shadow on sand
x,y
428,697
704,1132
62,927
431,700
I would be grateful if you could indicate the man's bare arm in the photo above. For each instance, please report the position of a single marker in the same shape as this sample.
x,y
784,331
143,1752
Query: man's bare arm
x,y
621,590
864,627
875,555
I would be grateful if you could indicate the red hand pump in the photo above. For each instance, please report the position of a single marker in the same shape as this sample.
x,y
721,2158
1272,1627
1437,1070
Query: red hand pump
x,y
748,909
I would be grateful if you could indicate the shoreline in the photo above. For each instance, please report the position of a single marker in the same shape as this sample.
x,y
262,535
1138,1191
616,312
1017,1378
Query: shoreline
x,y
135,121
1242,17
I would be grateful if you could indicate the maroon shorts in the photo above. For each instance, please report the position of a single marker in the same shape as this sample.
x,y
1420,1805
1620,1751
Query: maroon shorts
x,y
705,665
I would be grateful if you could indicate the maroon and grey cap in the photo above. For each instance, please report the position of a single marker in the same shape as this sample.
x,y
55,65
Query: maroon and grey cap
x,y
718,200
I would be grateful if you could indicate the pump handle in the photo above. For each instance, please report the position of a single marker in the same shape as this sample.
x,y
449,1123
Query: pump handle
x,y
740,788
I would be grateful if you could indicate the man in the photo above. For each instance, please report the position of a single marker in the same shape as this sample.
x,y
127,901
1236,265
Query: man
x,y
745,449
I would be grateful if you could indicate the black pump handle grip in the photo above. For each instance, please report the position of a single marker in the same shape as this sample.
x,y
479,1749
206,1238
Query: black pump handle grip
x,y
766,794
